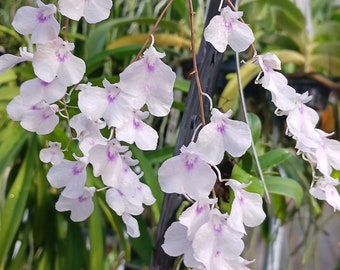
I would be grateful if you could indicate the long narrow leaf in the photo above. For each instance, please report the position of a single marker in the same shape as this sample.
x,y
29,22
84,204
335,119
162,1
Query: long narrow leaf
x,y
15,204
285,187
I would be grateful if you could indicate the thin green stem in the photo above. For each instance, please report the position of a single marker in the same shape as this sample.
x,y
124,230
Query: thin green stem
x,y
244,109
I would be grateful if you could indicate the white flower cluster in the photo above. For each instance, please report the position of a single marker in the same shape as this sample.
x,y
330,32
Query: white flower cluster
x,y
206,237
117,107
301,120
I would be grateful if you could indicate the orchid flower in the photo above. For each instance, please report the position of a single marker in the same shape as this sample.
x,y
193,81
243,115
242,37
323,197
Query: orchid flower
x,y
226,29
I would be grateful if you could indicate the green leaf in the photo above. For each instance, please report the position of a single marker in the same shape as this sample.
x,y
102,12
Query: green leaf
x,y
97,38
8,76
328,30
12,141
280,40
118,226
229,98
273,158
8,92
18,261
161,40
15,203
159,155
285,186
11,32
255,126
182,85
292,18
331,48
72,255
326,62
96,60
143,244
289,56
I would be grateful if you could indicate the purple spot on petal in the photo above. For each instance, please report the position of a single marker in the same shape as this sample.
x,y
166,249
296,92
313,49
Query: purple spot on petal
x,y
111,98
218,253
301,109
82,199
111,156
136,124
241,200
76,170
199,209
150,67
61,56
45,116
218,229
190,161
221,129
42,18
43,83
228,23
120,193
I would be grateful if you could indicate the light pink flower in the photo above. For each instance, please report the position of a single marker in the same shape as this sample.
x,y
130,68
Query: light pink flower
x,y
220,263
92,10
134,130
54,58
68,174
283,96
121,201
131,223
144,194
196,215
52,154
223,134
151,81
225,29
301,123
177,243
326,154
192,176
39,22
215,240
324,189
35,90
81,207
107,162
39,118
8,61
88,132
246,208
110,103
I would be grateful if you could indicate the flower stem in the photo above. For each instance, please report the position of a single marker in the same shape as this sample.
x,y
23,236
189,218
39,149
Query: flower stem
x,y
153,29
244,110
194,62
66,28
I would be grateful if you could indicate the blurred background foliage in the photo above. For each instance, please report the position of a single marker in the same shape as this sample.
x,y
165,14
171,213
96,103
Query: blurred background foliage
x,y
33,235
